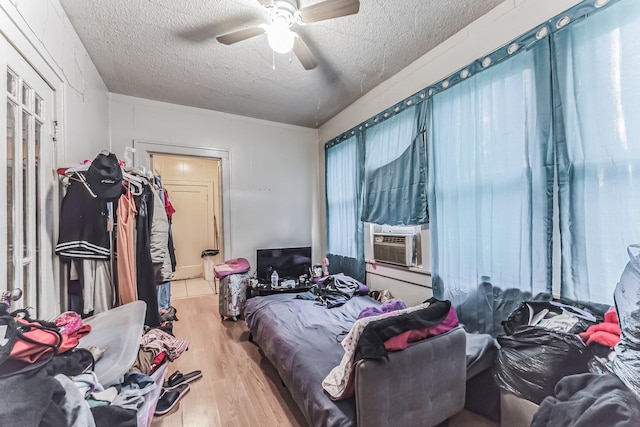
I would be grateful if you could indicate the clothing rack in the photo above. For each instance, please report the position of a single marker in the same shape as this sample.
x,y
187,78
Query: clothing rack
x,y
136,180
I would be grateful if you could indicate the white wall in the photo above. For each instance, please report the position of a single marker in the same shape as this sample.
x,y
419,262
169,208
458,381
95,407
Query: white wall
x,y
274,167
82,97
503,24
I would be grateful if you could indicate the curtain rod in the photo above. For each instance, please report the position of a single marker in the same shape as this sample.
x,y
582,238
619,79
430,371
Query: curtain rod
x,y
499,55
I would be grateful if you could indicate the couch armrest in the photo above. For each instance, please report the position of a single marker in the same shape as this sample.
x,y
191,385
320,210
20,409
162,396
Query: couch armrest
x,y
422,385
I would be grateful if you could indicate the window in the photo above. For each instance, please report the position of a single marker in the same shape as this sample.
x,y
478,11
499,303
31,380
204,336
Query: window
x,y
24,131
599,150
345,235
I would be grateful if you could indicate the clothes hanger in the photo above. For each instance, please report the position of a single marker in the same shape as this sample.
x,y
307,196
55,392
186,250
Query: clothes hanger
x,y
141,171
574,311
70,170
128,161
128,164
84,182
73,173
135,183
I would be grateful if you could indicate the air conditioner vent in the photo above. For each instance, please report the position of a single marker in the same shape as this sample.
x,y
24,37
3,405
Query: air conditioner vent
x,y
393,248
393,239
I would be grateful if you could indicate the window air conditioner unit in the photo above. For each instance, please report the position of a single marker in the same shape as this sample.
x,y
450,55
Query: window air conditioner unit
x,y
394,248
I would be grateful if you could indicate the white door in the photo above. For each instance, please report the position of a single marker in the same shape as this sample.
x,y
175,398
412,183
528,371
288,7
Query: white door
x,y
27,184
191,227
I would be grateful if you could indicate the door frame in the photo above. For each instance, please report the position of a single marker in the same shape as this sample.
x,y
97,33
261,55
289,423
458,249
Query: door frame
x,y
142,157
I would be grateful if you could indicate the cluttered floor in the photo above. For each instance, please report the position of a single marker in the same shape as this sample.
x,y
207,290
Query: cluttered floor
x,y
238,386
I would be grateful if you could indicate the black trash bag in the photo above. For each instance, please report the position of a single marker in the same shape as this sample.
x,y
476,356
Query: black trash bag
x,y
209,252
522,315
532,360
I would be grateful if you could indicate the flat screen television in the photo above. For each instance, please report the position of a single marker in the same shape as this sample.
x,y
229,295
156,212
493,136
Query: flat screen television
x,y
290,263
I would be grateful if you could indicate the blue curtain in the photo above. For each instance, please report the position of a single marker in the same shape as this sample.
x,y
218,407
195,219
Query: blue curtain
x,y
395,190
490,188
345,231
597,64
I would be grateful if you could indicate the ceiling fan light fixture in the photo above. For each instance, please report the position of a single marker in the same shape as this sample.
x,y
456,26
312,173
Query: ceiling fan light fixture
x,y
280,37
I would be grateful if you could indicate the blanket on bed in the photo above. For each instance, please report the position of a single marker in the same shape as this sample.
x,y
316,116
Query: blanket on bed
x,y
302,341
369,336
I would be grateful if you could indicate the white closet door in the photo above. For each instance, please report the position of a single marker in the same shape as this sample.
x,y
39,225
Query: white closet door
x,y
26,184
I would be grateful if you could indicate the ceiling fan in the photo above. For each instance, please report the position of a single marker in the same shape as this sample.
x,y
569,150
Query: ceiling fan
x,y
283,15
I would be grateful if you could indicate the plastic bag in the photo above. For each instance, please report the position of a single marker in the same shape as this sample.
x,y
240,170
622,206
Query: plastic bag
x,y
528,310
209,252
626,363
532,360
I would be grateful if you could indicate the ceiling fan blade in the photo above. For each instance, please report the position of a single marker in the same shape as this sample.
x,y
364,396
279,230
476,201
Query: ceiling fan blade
x,y
329,9
266,3
238,36
304,55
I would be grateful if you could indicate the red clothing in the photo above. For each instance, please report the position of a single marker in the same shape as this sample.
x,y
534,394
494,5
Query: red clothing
x,y
168,207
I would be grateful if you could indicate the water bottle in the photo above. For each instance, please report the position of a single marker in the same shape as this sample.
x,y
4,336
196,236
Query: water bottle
x,y
274,279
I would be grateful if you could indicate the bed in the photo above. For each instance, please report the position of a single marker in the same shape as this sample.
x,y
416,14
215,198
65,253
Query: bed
x,y
422,385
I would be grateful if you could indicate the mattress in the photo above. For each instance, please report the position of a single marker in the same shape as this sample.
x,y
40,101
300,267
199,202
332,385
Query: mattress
x,y
302,341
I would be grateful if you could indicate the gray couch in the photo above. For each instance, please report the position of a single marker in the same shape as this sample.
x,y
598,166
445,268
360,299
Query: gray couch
x,y
420,386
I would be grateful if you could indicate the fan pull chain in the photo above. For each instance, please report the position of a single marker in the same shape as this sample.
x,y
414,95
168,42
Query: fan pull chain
x,y
273,59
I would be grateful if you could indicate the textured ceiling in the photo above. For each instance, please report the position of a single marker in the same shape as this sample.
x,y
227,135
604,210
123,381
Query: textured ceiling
x,y
166,50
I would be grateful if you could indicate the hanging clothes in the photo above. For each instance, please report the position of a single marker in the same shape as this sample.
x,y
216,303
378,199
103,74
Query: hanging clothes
x,y
98,291
160,241
74,287
83,225
144,273
168,207
160,248
172,249
170,210
127,291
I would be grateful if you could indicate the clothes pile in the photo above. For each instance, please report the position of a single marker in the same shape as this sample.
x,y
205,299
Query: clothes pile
x,y
333,291
606,333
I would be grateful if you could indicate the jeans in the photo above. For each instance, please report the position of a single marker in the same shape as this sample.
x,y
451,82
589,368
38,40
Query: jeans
x,y
164,295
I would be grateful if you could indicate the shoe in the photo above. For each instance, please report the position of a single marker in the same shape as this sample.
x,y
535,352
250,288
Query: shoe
x,y
170,398
168,314
178,378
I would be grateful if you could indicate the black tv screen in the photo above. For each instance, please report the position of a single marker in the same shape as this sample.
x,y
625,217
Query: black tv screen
x,y
290,263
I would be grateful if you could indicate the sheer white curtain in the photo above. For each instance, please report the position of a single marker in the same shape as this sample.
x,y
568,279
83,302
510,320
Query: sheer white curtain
x,y
597,60
345,238
490,186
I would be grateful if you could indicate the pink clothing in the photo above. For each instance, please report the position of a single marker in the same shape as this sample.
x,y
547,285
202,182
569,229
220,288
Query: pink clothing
x,y
402,341
339,383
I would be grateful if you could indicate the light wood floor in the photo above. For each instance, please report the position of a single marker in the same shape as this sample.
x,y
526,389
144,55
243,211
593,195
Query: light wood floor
x,y
190,288
239,387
